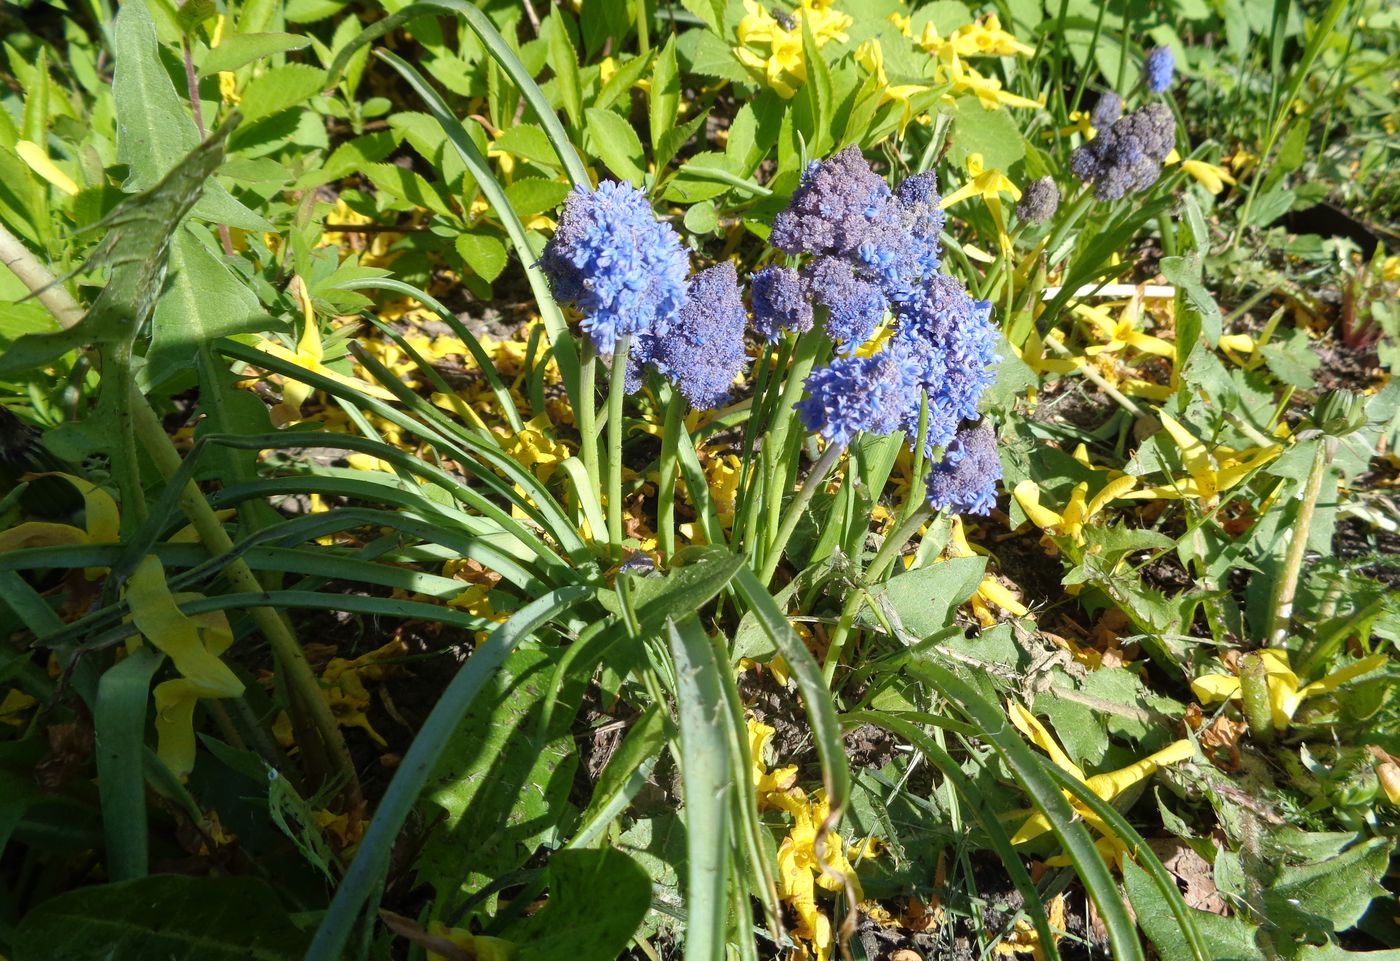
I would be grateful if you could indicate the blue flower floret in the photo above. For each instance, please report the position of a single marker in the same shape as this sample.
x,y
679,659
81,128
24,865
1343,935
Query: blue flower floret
x,y
965,482
621,267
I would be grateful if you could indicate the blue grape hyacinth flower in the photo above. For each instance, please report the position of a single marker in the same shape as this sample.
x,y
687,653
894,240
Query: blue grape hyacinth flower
x,y
1158,69
621,267
703,351
965,481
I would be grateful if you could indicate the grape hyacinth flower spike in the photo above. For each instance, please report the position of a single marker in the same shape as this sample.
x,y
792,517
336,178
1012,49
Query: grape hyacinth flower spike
x,y
621,267
965,481
703,351
1158,69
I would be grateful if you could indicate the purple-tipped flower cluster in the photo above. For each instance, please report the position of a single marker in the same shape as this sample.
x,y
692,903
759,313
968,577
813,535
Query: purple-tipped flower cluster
x,y
965,482
1158,69
1127,156
703,351
871,245
1039,201
610,257
779,302
877,250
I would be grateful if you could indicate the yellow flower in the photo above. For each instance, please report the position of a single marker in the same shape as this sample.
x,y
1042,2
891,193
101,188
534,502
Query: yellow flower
x,y
1211,176
990,184
871,56
1121,332
343,681
723,475
1212,471
991,592
1106,786
986,38
1078,512
228,80
1078,123
801,872
1233,345
767,782
14,705
782,65
101,520
1025,939
193,645
308,356
1286,692
950,69
1033,354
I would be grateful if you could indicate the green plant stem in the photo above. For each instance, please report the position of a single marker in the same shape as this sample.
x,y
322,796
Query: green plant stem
x,y
916,474
884,559
795,510
586,416
1286,584
617,390
643,30
804,357
151,435
666,483
1078,208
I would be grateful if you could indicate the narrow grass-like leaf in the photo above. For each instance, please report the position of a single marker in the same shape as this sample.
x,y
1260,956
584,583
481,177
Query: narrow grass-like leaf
x,y
1047,798
1141,853
119,726
565,351
821,712
366,873
705,774
996,834
623,777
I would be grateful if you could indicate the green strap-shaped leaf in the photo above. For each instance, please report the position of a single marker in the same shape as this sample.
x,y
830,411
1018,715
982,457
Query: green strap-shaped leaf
x,y
366,873
119,723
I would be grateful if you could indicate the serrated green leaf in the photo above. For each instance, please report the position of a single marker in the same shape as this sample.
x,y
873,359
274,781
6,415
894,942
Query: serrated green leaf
x,y
280,88
623,80
710,11
484,254
615,143
534,195
242,49
925,599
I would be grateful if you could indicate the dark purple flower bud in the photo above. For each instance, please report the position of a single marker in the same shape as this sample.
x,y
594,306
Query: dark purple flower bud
x,y
1127,156
1039,201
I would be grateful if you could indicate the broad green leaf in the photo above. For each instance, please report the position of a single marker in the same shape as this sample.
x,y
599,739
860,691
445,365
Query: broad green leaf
x,y
242,49
1329,895
528,141
154,128
408,185
533,195
1292,359
992,133
616,144
499,789
484,254
279,89
576,922
1185,273
202,301
1229,939
674,139
925,599
170,917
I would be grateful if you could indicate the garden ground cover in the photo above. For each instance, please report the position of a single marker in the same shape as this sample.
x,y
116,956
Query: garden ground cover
x,y
493,480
